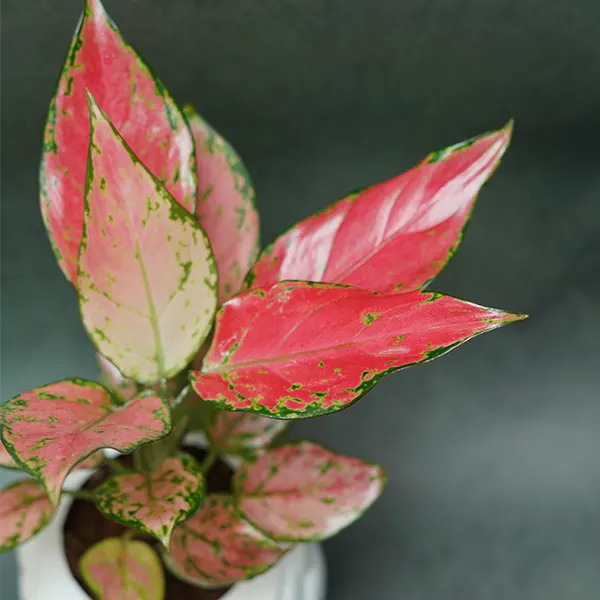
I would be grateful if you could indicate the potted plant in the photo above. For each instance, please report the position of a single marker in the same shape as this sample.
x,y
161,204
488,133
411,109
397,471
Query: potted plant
x,y
171,479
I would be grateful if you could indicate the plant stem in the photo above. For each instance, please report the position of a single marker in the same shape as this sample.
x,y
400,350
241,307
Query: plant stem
x,y
208,462
128,534
116,466
80,494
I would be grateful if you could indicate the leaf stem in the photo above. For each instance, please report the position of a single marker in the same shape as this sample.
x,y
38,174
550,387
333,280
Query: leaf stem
x,y
116,466
80,494
208,462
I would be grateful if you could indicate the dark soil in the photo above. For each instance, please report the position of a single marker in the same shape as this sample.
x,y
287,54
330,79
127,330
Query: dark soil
x,y
85,525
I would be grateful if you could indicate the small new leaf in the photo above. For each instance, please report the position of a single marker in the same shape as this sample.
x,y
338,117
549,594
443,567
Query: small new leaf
x,y
50,429
155,503
122,569
302,492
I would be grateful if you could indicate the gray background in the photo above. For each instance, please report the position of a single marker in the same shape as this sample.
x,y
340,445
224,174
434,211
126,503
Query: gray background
x,y
492,451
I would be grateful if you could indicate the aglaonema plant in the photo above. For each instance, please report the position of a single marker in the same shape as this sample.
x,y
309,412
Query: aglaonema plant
x,y
151,216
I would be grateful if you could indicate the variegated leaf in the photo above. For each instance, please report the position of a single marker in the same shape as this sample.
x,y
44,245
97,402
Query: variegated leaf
x,y
326,345
393,236
24,510
217,547
122,569
225,206
147,278
302,492
157,502
101,62
242,432
50,429
8,462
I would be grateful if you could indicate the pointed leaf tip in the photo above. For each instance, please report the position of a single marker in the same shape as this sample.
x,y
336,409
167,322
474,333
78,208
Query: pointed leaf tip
x,y
99,62
303,492
154,503
147,278
328,345
50,429
117,568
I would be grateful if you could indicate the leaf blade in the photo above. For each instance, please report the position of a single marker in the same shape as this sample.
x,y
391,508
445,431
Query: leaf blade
x,y
50,429
154,503
328,345
302,492
393,236
120,569
99,60
146,274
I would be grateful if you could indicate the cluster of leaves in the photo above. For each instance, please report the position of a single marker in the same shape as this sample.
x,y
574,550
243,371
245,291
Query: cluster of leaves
x,y
151,215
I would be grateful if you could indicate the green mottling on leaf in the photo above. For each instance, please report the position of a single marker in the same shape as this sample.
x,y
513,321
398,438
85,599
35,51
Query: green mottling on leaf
x,y
321,364
328,500
370,317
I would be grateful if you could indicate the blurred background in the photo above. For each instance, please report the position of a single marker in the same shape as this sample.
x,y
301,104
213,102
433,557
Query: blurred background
x,y
493,452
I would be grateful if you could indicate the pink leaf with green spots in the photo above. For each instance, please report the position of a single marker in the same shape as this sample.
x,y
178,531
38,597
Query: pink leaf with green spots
x,y
302,492
326,345
121,569
396,235
8,462
50,429
147,279
154,503
24,510
218,547
225,205
101,62
241,432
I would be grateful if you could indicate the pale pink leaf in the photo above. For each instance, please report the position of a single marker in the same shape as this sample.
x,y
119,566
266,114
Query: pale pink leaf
x,y
121,569
302,492
225,205
25,509
50,429
217,547
393,236
101,62
147,278
155,503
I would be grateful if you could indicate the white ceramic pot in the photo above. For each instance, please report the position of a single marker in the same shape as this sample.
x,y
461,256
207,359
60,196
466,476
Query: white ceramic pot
x,y
44,573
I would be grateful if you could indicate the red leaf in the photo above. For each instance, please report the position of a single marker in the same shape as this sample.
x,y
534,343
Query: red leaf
x,y
395,235
154,503
225,206
139,106
121,569
302,492
326,345
48,430
147,278
217,547
234,433
24,510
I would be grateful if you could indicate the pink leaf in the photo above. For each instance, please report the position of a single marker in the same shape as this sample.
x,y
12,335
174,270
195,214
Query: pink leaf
x,y
8,462
147,278
302,492
217,547
121,569
154,503
225,206
24,510
233,433
395,235
302,349
48,430
140,107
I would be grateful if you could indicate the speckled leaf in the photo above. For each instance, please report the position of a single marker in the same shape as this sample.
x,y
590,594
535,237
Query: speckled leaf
x,y
8,462
217,547
302,349
139,106
302,492
241,432
147,279
50,429
121,569
393,236
24,510
154,503
225,206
